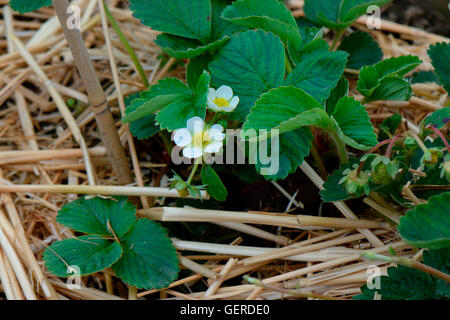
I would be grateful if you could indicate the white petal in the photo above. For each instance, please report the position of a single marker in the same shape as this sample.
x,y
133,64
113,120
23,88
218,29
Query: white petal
x,y
195,124
211,94
182,137
224,92
216,127
213,147
192,152
227,109
216,135
234,102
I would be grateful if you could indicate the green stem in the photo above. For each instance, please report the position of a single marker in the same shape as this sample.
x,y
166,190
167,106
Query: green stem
x,y
127,46
288,63
341,149
194,169
408,263
336,39
315,154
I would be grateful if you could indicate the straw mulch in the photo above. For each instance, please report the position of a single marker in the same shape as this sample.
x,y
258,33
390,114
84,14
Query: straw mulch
x,y
298,255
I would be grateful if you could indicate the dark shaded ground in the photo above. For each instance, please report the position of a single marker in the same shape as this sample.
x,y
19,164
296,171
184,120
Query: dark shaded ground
x,y
430,15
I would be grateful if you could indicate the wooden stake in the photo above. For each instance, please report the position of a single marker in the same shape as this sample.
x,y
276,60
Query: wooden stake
x,y
97,97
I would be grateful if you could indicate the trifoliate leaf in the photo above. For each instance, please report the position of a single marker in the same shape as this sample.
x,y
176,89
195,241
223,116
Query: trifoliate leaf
x,y
145,127
338,14
182,48
340,91
439,118
183,18
268,15
251,64
98,216
214,186
440,56
318,73
428,225
354,125
382,81
86,255
149,260
24,6
363,50
275,107
175,115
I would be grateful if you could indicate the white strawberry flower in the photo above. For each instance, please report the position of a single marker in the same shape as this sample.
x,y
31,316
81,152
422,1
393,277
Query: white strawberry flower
x,y
196,140
222,99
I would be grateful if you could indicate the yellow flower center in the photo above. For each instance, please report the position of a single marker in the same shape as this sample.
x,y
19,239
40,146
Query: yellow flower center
x,y
201,139
221,102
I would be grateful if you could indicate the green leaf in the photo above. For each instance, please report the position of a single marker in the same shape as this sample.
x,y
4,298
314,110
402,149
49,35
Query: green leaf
x,y
183,18
439,118
89,253
317,117
214,186
182,48
354,125
440,56
383,81
340,91
389,126
145,127
275,107
338,14
98,216
332,189
424,77
219,26
363,50
311,42
251,64
268,15
175,115
428,225
404,283
172,90
318,73
24,6
394,89
149,260
143,107
195,69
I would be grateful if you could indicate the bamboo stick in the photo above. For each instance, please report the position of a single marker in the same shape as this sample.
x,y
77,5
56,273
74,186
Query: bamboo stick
x,y
97,190
96,96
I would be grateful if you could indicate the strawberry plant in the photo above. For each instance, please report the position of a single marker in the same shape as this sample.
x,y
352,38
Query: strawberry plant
x,y
138,250
252,66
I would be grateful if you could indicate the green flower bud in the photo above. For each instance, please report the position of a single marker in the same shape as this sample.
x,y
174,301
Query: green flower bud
x,y
431,157
445,167
384,170
355,183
